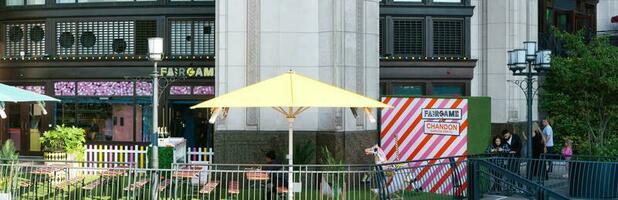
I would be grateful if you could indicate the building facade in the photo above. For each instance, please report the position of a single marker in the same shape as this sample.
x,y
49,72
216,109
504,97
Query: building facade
x,y
92,55
499,26
607,20
425,47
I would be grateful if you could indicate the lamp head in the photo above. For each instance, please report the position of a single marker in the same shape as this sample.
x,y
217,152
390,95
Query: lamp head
x,y
155,48
530,47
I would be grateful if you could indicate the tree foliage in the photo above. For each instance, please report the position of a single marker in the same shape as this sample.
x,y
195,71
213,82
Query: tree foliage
x,y
580,94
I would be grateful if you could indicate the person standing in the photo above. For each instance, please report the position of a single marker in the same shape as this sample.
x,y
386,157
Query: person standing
x,y
548,134
567,152
538,148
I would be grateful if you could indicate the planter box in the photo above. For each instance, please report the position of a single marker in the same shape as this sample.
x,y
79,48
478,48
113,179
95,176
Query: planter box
x,y
593,180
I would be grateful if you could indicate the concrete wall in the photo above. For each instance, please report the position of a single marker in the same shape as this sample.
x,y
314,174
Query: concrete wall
x,y
606,9
251,146
497,27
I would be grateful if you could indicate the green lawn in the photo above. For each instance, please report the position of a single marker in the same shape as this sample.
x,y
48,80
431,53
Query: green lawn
x,y
113,189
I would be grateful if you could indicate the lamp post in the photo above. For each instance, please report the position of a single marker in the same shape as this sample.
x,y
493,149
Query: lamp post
x,y
155,52
528,62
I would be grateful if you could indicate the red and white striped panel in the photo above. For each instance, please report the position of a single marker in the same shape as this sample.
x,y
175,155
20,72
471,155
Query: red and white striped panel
x,y
402,127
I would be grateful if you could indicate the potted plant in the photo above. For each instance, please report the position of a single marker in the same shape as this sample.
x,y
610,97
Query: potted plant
x,y
64,142
332,185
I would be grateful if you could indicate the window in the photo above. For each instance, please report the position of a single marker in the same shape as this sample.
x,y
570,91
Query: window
x,y
419,1
97,1
448,37
448,90
408,89
190,0
192,37
24,37
381,36
447,1
104,37
408,36
24,2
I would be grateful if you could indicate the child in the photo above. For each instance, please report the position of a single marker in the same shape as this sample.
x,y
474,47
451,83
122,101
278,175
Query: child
x,y
567,152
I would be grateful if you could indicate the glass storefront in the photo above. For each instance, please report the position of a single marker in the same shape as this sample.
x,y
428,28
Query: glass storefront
x,y
108,119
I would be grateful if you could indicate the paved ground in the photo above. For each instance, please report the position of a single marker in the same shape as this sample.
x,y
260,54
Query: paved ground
x,y
498,197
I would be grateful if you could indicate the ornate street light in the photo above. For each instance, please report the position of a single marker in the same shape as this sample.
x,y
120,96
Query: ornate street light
x,y
528,62
155,52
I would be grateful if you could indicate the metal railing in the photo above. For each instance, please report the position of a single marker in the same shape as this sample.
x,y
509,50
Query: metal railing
x,y
544,178
443,178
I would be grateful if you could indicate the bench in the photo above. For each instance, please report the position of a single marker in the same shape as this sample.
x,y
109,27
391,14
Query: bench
x,y
68,182
164,184
209,187
94,184
137,185
232,188
282,189
24,184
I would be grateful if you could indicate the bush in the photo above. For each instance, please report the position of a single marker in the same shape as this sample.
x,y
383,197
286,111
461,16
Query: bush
x,y
65,139
8,153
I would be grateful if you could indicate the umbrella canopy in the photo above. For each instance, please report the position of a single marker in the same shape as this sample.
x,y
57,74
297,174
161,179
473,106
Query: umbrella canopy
x,y
16,95
12,94
290,94
291,90
615,19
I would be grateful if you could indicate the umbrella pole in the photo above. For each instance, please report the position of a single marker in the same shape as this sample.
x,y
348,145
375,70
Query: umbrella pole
x,y
290,157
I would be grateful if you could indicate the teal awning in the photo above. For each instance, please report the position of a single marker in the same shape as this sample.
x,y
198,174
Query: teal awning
x,y
10,94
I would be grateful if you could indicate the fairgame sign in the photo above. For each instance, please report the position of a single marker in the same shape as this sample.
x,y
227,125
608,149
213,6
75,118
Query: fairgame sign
x,y
425,128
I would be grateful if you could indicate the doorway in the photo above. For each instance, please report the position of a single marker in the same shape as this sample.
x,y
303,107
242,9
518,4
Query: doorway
x,y
24,126
191,124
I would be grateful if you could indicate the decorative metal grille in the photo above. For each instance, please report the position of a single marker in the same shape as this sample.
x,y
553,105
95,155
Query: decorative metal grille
x,y
192,37
408,36
381,36
96,38
448,37
24,37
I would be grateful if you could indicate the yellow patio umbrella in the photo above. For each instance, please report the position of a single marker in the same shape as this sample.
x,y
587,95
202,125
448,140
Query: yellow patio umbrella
x,y
290,94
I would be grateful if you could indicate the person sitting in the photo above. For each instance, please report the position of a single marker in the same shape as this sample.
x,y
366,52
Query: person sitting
x,y
276,179
498,146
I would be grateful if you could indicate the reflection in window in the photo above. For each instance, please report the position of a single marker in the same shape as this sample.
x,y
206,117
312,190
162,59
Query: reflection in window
x,y
408,90
111,120
448,90
24,2
447,1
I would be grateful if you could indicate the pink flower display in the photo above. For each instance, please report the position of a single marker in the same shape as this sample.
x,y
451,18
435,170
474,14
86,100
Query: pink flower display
x,y
64,88
105,88
203,90
143,88
39,89
180,90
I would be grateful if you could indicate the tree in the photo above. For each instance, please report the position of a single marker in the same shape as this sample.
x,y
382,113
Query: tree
x,y
580,94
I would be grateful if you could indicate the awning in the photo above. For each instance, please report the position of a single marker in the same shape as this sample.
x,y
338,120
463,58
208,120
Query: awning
x,y
12,94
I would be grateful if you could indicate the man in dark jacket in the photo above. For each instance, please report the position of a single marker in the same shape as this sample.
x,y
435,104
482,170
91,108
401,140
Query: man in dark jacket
x,y
513,141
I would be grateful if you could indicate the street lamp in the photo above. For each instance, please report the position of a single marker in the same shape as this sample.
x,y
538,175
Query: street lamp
x,y
528,62
155,52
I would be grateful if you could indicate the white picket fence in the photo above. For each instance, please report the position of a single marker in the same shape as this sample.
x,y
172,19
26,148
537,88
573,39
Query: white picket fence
x,y
199,154
109,155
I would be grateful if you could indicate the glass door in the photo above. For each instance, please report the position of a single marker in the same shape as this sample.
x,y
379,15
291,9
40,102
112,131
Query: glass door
x,y
25,127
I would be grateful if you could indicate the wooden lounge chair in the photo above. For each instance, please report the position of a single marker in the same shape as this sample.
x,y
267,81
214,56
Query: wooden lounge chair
x,y
164,184
209,187
137,185
233,188
68,182
94,184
